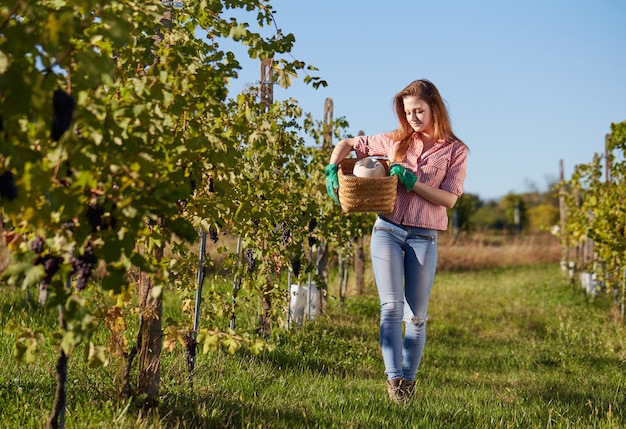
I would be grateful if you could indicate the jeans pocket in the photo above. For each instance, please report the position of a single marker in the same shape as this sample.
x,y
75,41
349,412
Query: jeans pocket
x,y
382,228
422,236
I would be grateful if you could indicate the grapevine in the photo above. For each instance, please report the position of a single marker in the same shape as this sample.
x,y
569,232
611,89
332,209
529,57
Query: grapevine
x,y
596,219
129,192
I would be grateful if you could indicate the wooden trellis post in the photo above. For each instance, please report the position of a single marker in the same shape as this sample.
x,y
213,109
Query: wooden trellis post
x,y
322,248
359,258
267,98
328,124
563,218
267,82
608,160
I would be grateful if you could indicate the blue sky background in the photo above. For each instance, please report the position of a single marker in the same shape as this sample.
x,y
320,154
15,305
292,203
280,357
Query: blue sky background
x,y
527,83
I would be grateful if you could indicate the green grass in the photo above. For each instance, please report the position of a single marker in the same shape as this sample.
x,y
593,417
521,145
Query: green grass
x,y
507,348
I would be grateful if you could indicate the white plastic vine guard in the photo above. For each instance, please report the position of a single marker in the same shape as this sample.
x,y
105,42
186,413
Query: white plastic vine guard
x,y
298,308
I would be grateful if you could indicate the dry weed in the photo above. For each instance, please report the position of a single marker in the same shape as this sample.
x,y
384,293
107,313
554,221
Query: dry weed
x,y
474,252
480,251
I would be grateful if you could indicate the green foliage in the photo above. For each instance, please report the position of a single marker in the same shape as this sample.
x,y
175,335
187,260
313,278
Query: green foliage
x,y
595,211
151,123
149,149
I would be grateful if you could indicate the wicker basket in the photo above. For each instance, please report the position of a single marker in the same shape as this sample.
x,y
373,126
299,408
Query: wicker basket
x,y
365,194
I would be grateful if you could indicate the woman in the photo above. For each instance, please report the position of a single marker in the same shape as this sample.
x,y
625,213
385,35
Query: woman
x,y
430,163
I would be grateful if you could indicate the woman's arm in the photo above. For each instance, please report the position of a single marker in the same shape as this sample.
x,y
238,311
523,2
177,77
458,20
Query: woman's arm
x,y
341,150
435,195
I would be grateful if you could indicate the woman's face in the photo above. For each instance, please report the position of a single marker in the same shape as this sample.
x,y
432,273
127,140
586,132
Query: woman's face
x,y
418,114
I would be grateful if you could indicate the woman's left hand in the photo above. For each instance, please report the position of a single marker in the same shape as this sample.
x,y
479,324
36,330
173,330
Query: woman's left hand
x,y
332,182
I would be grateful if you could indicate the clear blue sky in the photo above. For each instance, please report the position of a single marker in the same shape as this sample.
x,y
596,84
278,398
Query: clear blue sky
x,y
527,83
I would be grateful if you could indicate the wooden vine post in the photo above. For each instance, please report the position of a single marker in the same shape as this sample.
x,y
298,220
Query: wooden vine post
x,y
563,219
57,418
359,258
264,327
322,248
150,335
608,159
267,82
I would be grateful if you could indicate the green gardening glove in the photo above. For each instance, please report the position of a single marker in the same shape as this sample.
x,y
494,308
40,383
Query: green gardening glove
x,y
332,182
406,177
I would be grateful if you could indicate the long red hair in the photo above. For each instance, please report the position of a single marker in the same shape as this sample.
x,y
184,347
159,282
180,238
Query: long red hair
x,y
428,92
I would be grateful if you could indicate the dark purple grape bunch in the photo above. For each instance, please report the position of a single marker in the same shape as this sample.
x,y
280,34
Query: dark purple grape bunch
x,y
296,264
62,109
82,267
190,347
182,202
312,226
250,260
284,231
8,190
51,265
69,224
38,245
213,234
95,214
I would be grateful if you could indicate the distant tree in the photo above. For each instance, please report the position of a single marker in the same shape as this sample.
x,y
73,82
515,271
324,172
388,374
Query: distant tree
x,y
488,217
542,217
511,204
465,207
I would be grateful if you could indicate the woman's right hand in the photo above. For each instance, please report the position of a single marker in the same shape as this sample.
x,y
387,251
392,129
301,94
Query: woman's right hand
x,y
393,150
332,182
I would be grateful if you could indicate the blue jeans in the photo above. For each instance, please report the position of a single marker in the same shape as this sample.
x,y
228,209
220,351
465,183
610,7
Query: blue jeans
x,y
404,260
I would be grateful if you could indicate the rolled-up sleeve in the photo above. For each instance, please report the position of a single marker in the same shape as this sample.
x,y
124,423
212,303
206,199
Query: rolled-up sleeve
x,y
457,171
376,145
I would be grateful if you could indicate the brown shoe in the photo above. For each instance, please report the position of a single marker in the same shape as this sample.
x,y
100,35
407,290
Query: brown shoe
x,y
394,389
407,387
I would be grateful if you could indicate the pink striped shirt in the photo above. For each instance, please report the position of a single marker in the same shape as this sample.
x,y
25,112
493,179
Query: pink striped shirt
x,y
442,166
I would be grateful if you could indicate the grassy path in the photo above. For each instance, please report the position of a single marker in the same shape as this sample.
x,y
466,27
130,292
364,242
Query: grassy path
x,y
507,348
